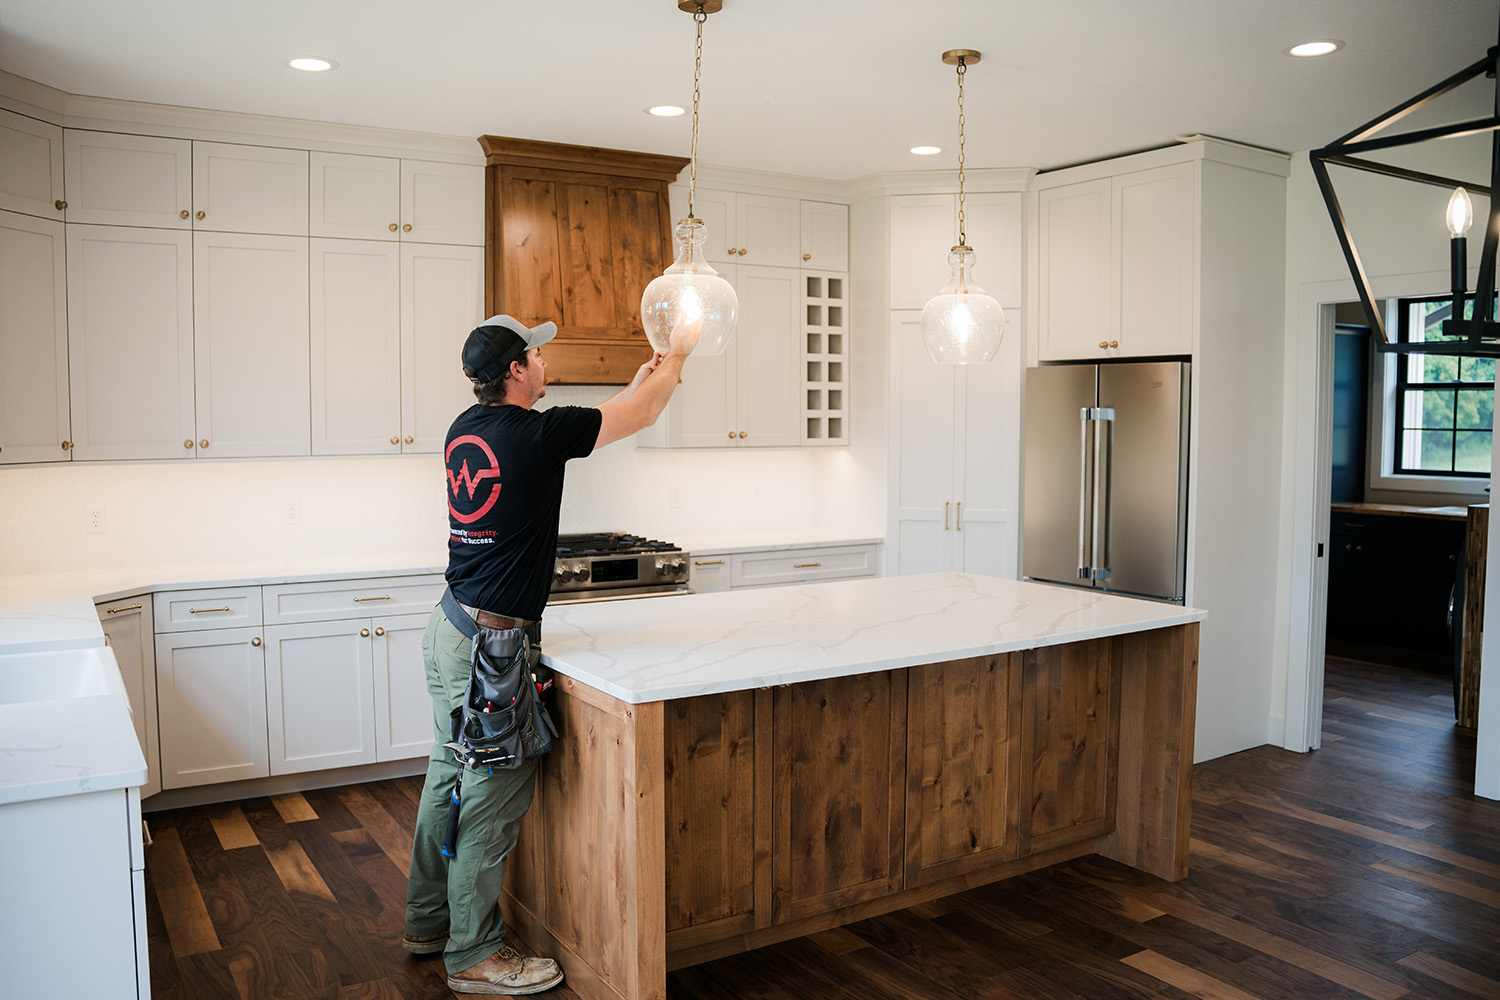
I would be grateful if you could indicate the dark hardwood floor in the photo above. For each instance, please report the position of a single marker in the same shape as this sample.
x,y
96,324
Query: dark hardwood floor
x,y
1365,870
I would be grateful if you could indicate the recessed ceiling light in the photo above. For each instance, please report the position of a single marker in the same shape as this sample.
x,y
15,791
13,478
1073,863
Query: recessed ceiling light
x,y
666,111
312,64
1315,48
927,150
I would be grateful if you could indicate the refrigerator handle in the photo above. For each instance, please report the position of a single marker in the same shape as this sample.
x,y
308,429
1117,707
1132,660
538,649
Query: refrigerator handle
x,y
1104,439
1085,494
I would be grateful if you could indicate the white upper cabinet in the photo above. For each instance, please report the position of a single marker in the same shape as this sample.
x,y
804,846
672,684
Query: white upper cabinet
x,y
128,180
130,342
1074,269
442,299
716,209
768,230
994,229
249,189
354,197
250,345
924,230
825,236
33,341
31,166
355,291
442,203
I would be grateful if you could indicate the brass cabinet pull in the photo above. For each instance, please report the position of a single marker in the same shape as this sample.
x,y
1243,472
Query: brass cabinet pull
x,y
409,439
60,204
204,611
201,214
731,435
364,633
188,443
1114,343
1103,345
708,562
395,439
743,251
184,213
406,228
380,631
807,256
67,446
382,597
958,516
115,611
255,641
805,565
743,435
393,227
203,443
946,504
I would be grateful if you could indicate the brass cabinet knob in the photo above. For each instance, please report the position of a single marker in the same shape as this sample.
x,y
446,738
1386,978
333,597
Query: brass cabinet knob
x,y
255,641
184,213
364,632
393,227
201,214
67,446
60,204
1114,343
743,251
731,435
395,439
807,256
409,439
188,443
743,435
380,631
406,228
203,443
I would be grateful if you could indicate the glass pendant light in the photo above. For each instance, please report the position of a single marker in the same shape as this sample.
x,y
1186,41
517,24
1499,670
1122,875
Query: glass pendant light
x,y
691,287
961,324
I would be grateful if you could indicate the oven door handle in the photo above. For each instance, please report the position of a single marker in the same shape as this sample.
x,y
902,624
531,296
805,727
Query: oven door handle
x,y
600,597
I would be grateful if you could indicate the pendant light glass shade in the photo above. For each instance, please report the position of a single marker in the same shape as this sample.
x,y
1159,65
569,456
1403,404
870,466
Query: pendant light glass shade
x,y
688,289
961,325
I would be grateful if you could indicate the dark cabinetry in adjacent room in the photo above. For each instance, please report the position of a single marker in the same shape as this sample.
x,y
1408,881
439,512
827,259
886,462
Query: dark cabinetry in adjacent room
x,y
1389,583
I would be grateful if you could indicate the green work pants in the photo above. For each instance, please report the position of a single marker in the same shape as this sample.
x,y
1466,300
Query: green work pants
x,y
461,894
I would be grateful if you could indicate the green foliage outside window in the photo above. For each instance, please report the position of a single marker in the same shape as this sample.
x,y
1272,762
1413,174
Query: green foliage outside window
x,y
1445,402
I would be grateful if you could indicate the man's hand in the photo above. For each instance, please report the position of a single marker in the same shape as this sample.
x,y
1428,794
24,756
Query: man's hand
x,y
644,371
685,334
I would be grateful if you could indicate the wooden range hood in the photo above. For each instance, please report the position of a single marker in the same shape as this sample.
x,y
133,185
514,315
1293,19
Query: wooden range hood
x,y
573,234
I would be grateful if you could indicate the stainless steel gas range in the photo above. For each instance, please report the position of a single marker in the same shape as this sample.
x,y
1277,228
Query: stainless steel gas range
x,y
614,566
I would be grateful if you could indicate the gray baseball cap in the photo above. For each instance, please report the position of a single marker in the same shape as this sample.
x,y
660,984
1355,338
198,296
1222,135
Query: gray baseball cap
x,y
499,340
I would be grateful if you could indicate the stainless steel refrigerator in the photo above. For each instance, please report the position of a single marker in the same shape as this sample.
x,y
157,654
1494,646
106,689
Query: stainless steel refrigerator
x,y
1106,477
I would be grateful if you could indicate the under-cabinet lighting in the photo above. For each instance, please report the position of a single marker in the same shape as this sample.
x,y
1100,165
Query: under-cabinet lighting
x,y
312,64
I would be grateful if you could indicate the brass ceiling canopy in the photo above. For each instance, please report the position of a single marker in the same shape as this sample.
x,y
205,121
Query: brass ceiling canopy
x,y
952,56
709,6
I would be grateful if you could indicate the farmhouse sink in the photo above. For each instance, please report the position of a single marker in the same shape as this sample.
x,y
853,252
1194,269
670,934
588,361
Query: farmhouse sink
x,y
58,675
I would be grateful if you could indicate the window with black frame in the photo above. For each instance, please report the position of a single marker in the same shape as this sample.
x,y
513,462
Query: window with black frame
x,y
1445,403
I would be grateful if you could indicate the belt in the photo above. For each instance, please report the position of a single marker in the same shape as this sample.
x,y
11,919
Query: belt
x,y
490,620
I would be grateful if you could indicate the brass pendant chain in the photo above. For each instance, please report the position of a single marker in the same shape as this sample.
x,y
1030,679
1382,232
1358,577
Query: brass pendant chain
x,y
962,241
699,16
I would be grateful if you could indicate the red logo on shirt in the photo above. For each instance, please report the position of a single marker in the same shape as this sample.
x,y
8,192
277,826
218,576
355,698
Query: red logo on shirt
x,y
471,481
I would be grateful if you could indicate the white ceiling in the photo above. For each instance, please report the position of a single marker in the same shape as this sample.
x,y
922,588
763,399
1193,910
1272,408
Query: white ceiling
x,y
835,89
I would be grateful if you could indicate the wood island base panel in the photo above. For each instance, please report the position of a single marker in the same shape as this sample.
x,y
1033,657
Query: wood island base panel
x,y
668,833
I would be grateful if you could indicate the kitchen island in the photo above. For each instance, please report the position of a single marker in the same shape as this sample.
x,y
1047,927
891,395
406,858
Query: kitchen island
x,y
741,768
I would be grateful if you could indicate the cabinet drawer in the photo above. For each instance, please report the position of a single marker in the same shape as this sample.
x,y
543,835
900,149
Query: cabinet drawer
x,y
761,569
335,599
195,610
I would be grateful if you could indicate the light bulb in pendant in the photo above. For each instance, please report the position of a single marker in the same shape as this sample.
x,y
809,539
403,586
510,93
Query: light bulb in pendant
x,y
961,324
690,288
1460,213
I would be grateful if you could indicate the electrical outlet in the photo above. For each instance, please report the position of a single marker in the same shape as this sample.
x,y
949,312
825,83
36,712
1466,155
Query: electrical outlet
x,y
93,522
291,511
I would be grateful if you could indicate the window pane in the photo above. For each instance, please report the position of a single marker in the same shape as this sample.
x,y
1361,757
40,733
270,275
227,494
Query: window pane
x,y
1430,408
1476,408
1473,453
1437,368
1429,451
1477,369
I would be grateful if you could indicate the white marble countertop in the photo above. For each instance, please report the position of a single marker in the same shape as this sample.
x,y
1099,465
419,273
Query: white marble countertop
x,y
759,542
53,748
642,651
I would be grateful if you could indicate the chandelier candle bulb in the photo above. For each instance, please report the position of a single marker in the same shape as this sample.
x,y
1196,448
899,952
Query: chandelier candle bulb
x,y
1460,218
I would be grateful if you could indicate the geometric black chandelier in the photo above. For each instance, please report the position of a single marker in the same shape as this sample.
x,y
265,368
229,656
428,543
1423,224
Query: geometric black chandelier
x,y
1481,334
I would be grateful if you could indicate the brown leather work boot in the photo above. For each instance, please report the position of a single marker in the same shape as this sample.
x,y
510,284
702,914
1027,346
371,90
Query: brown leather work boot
x,y
506,972
424,944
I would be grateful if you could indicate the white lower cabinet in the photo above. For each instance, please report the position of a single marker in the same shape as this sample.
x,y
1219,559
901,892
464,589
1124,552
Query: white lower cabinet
x,y
403,706
320,706
34,425
127,630
721,571
211,702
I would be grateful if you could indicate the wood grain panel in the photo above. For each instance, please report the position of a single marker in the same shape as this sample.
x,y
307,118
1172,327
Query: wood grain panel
x,y
588,266
710,810
643,249
1476,549
963,757
1068,735
839,787
529,257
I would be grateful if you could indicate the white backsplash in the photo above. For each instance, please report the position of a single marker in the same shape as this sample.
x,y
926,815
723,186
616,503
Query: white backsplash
x,y
167,513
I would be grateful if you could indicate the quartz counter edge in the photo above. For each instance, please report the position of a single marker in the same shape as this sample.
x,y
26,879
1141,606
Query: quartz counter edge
x,y
645,651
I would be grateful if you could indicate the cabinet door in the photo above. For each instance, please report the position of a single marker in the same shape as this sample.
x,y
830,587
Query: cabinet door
x,y
442,203
442,299
768,230
1073,271
250,345
127,629
702,414
985,514
355,313
825,236
716,209
211,702
1154,251
768,385
31,166
128,180
924,228
354,197
33,341
320,702
838,786
709,575
249,189
403,706
130,342
922,458
994,227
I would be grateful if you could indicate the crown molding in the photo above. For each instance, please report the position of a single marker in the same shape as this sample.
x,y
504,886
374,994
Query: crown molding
x,y
987,180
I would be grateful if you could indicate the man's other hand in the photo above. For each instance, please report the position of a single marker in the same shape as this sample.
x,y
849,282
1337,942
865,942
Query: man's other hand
x,y
685,335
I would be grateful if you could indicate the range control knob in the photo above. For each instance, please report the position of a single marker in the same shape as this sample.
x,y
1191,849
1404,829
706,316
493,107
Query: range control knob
x,y
581,571
662,568
561,575
677,567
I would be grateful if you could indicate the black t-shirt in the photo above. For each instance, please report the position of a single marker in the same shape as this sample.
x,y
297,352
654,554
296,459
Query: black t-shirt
x,y
505,480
